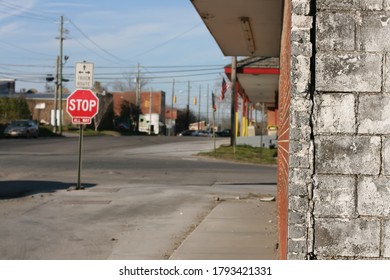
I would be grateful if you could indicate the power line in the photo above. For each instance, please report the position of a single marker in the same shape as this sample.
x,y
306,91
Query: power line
x,y
25,13
94,43
24,49
167,41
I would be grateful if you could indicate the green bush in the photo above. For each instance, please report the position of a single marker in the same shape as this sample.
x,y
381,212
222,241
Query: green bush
x,y
13,109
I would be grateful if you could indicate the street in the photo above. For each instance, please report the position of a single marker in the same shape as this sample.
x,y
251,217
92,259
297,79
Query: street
x,y
142,195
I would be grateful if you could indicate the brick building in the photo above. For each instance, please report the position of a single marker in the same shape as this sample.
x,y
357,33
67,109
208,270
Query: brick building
x,y
154,99
334,122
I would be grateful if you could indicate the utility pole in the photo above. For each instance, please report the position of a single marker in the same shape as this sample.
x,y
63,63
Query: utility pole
x,y
150,112
56,96
173,96
233,104
60,73
208,109
188,106
200,90
138,87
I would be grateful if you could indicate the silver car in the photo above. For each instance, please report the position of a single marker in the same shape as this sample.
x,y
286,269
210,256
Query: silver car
x,y
22,128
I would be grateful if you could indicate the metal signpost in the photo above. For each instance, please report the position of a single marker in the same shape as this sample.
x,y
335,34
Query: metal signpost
x,y
82,105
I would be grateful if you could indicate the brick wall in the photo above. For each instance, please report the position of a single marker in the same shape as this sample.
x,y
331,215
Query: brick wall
x,y
340,130
284,129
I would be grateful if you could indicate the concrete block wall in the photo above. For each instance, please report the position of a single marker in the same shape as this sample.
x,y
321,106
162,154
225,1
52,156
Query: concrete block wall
x,y
301,145
339,172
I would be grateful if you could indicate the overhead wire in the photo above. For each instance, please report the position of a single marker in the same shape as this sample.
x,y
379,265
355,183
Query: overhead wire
x,y
24,49
170,73
94,43
26,13
167,41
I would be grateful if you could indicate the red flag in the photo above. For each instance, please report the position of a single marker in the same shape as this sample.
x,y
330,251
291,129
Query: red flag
x,y
223,89
213,101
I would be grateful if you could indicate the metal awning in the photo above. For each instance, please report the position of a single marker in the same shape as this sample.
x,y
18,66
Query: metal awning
x,y
249,28
259,77
243,27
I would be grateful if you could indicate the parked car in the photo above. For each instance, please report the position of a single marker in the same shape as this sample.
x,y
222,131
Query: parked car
x,y
224,133
22,128
204,133
187,133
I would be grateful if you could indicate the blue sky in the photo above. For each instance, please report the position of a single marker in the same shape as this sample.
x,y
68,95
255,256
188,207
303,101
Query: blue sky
x,y
114,35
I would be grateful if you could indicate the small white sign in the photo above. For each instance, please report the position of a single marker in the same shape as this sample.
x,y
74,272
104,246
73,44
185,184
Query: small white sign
x,y
84,75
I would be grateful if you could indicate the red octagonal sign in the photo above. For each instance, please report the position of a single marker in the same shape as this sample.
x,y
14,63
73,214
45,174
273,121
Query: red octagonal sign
x,y
82,105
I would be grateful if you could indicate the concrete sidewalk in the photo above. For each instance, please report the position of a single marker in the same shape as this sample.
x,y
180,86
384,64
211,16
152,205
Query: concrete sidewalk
x,y
234,230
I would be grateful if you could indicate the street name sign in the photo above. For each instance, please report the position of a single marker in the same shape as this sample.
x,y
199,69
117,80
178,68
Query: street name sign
x,y
82,105
84,75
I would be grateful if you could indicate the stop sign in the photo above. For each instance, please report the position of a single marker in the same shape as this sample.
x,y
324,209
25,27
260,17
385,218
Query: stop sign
x,y
82,105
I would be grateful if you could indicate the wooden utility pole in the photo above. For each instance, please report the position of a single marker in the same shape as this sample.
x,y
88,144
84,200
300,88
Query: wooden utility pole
x,y
60,73
200,92
173,96
55,127
138,87
233,103
188,106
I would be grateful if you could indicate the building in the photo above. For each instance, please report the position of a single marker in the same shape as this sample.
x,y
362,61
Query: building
x,y
150,103
7,86
255,75
333,117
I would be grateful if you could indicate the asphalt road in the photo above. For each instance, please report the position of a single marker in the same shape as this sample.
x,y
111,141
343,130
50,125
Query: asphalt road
x,y
142,195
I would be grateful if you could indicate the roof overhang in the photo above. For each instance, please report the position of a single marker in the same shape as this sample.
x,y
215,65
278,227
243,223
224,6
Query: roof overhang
x,y
245,27
258,78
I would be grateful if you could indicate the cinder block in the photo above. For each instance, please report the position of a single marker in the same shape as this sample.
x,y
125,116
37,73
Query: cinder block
x,y
334,196
386,156
298,204
301,75
300,158
374,32
347,238
299,176
374,114
297,232
335,31
348,155
301,22
296,218
335,113
346,72
386,239
300,128
297,246
387,73
373,196
371,5
295,256
301,7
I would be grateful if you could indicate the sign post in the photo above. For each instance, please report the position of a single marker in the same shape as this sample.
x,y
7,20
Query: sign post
x,y
82,105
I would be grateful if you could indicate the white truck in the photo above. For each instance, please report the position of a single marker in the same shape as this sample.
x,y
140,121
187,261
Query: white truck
x,y
149,123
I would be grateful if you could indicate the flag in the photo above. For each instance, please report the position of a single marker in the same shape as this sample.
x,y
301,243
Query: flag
x,y
224,88
213,101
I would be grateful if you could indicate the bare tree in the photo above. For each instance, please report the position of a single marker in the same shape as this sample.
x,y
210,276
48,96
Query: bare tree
x,y
105,107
